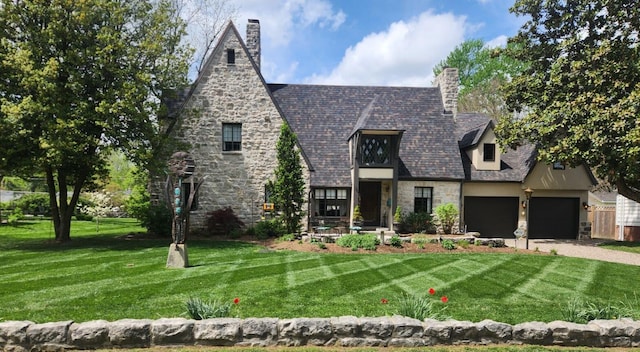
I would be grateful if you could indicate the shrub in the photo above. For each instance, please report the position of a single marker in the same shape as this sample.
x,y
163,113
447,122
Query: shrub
x,y
395,241
420,308
15,216
223,222
34,204
287,238
269,228
464,243
368,242
157,220
417,223
198,309
397,216
446,215
448,244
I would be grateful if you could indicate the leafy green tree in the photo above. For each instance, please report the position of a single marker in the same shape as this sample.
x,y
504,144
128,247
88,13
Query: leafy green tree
x,y
579,98
483,71
80,78
288,187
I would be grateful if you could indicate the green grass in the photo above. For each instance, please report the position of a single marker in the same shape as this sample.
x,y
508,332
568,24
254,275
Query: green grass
x,y
101,276
632,247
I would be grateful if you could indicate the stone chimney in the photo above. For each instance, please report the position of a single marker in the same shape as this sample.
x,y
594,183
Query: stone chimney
x,y
447,81
253,40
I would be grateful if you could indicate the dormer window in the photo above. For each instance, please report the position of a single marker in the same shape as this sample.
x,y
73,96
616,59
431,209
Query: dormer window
x,y
231,56
489,152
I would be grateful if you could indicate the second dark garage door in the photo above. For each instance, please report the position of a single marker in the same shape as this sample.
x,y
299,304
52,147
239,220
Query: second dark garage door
x,y
554,217
491,216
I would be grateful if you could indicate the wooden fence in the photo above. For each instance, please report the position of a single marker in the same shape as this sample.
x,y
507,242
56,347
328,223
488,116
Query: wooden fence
x,y
603,222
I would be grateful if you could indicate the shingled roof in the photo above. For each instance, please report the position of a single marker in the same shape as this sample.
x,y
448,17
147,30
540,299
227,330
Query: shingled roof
x,y
515,163
325,117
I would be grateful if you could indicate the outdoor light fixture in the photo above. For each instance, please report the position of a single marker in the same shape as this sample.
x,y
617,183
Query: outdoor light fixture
x,y
585,205
524,204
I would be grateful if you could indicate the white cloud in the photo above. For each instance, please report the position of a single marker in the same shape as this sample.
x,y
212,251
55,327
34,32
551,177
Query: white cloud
x,y
403,55
279,19
497,42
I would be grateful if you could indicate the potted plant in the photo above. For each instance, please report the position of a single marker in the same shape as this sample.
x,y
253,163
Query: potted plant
x,y
397,216
357,216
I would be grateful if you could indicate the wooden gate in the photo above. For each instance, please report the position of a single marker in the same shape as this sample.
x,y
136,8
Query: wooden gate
x,y
603,222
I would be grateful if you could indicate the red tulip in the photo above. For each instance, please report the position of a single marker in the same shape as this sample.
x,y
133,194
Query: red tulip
x,y
236,300
384,301
444,299
432,291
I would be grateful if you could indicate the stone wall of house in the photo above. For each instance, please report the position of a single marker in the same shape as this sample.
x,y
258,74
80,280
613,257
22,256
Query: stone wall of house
x,y
443,192
231,93
346,331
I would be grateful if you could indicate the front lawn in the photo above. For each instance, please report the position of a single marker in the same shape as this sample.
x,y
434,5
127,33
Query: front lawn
x,y
106,276
632,247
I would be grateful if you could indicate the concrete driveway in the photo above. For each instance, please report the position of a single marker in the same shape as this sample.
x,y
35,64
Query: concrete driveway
x,y
579,248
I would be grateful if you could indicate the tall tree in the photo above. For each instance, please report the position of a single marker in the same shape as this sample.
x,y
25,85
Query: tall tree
x,y
579,98
80,78
483,71
288,187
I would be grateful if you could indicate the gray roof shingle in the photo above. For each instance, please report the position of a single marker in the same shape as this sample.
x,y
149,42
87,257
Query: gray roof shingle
x,y
324,118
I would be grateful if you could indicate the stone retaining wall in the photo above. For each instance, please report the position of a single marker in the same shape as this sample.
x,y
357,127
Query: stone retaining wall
x,y
347,331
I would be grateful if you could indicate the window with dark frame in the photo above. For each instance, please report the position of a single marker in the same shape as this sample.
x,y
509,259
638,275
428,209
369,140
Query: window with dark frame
x,y
375,150
231,56
423,200
231,137
489,152
331,202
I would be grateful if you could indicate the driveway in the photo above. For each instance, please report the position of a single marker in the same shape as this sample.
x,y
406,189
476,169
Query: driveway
x,y
579,248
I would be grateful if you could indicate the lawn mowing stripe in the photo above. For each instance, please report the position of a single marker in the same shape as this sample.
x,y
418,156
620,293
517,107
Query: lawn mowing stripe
x,y
535,285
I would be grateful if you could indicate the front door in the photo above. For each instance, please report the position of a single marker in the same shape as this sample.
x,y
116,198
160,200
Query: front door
x,y
370,203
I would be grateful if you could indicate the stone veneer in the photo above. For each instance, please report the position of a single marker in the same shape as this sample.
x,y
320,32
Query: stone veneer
x,y
448,81
232,93
346,331
443,192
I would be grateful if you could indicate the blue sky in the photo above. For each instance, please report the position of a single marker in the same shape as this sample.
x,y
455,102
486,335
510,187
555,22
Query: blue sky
x,y
369,42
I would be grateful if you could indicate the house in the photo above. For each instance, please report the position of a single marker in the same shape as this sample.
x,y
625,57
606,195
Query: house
x,y
377,147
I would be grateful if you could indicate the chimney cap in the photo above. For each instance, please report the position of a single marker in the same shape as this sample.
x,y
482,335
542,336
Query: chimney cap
x,y
253,20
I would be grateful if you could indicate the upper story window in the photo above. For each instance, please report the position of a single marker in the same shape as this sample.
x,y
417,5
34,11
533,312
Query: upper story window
x,y
375,150
231,137
231,56
489,152
423,200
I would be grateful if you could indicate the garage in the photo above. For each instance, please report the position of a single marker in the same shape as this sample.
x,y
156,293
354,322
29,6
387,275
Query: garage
x,y
554,217
491,216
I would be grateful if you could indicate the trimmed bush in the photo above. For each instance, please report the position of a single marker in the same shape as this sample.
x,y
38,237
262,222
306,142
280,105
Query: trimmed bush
x,y
417,223
269,228
396,241
34,204
157,220
368,242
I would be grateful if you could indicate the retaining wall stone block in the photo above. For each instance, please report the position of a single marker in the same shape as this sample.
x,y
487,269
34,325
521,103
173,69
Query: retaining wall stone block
x,y
130,333
438,332
405,327
304,331
219,332
49,335
172,331
14,332
89,334
259,332
535,333
572,334
345,326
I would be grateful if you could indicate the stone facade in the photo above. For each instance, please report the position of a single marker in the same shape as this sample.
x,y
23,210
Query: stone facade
x,y
443,192
346,331
231,93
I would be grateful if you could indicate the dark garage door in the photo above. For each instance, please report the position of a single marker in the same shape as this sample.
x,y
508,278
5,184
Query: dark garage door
x,y
554,217
491,216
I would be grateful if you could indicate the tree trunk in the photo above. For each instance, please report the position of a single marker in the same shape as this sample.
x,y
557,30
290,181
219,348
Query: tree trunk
x,y
61,211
